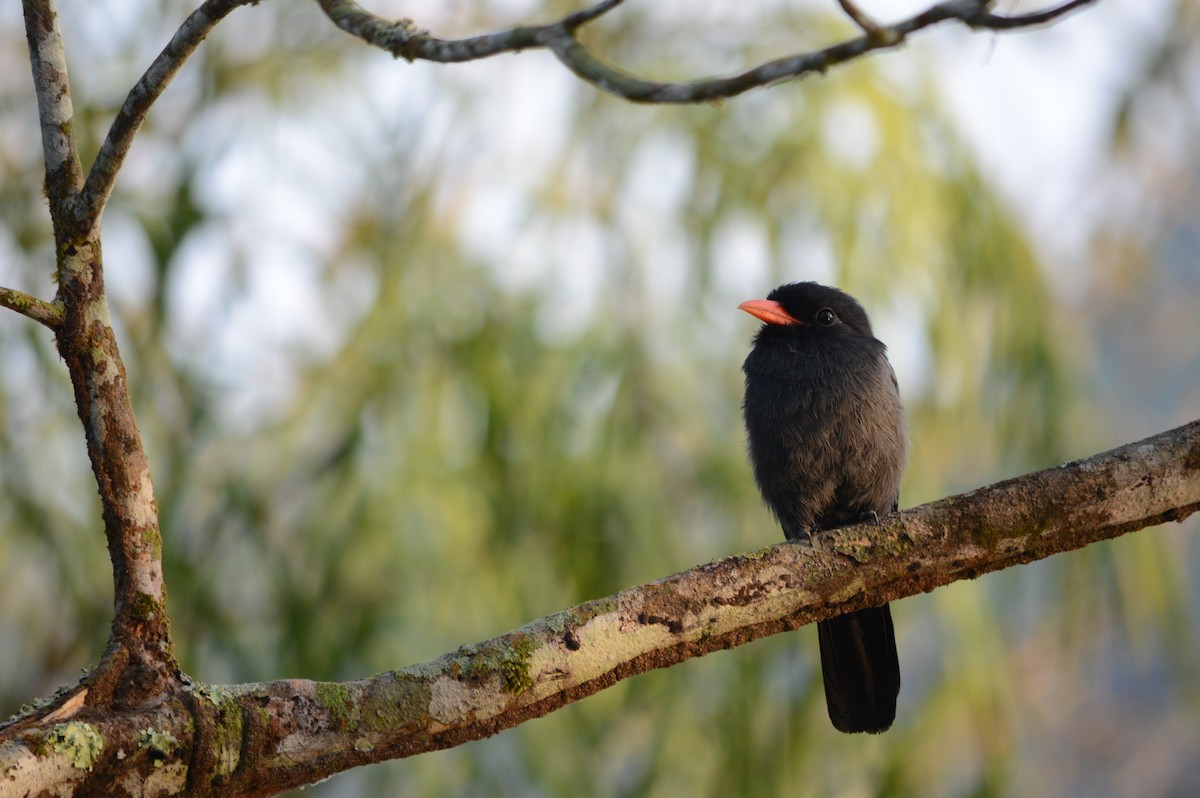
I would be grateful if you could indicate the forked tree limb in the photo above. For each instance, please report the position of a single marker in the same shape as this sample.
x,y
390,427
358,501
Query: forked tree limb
x,y
260,739
138,660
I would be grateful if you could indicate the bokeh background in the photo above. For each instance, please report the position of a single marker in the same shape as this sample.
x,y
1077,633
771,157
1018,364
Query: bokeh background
x,y
421,353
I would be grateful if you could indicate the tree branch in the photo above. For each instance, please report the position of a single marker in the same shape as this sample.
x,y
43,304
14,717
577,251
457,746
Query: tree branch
x,y
260,739
862,19
41,311
404,39
997,22
139,659
133,113
55,113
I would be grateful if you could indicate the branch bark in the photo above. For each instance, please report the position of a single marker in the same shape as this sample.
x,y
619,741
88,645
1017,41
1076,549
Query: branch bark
x,y
404,39
137,105
862,19
260,739
43,312
56,115
139,660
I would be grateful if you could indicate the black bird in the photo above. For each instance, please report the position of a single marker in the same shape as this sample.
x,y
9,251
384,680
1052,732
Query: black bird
x,y
828,443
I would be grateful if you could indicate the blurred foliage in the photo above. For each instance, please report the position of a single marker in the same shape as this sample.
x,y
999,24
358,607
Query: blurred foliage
x,y
422,353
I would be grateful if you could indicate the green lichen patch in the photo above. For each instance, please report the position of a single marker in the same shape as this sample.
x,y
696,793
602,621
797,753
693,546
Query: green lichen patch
x,y
341,705
160,745
857,550
862,550
37,705
402,705
152,540
892,546
215,694
145,607
593,609
515,665
508,658
990,536
81,743
227,731
760,553
557,623
28,709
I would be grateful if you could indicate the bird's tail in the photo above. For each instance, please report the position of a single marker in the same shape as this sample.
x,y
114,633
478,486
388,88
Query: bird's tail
x,y
861,670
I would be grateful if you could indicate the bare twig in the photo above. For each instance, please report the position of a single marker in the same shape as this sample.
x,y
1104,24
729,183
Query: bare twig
x,y
261,739
129,119
404,39
998,22
579,18
862,19
41,311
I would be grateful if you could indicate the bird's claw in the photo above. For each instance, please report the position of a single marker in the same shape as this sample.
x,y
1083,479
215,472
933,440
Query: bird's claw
x,y
803,536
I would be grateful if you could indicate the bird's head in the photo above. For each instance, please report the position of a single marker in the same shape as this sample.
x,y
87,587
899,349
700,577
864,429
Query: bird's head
x,y
810,306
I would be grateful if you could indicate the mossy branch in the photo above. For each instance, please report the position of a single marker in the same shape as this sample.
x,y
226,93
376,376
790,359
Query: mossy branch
x,y
48,313
261,739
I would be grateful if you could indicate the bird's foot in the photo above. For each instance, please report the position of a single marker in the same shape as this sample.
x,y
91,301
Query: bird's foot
x,y
802,535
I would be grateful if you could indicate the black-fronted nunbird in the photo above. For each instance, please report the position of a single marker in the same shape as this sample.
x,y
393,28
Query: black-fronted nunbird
x,y
828,442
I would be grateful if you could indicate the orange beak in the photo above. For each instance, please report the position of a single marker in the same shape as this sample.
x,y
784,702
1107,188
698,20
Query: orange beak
x,y
768,311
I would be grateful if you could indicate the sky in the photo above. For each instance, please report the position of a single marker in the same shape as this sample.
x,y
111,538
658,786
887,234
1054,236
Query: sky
x,y
1037,107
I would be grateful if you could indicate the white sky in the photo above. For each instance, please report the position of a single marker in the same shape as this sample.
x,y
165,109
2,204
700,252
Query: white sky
x,y
1036,106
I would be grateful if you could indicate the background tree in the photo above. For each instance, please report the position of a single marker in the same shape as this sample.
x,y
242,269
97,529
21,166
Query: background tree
x,y
420,353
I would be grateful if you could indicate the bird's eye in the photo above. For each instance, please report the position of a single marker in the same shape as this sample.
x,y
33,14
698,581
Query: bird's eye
x,y
826,317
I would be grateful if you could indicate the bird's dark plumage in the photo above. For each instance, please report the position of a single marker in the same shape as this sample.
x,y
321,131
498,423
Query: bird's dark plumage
x,y
828,443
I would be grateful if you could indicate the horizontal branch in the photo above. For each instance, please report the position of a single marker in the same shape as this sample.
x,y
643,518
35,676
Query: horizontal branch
x,y
41,311
259,739
404,39
986,19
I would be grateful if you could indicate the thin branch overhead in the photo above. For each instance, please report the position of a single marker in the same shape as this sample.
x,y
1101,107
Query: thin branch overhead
x,y
133,113
404,39
862,19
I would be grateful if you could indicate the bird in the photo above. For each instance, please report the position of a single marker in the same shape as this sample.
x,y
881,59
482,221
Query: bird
x,y
828,443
